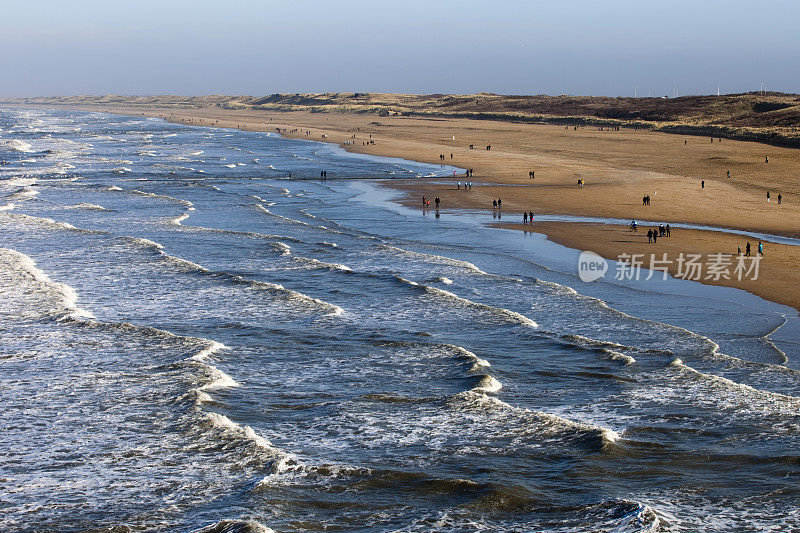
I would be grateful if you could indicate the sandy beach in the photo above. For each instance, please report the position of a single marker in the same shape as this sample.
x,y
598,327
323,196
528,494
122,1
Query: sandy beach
x,y
686,178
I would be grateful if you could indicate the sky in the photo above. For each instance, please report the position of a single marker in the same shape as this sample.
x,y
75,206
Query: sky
x,y
252,47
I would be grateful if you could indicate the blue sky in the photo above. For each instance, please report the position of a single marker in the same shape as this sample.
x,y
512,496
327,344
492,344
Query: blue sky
x,y
513,47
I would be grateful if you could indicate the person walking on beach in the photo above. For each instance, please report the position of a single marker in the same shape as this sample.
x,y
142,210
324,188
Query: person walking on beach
x,y
767,196
499,203
702,184
494,203
747,249
667,230
729,173
739,250
649,236
766,159
524,217
655,235
760,248
458,185
530,216
779,198
436,201
423,201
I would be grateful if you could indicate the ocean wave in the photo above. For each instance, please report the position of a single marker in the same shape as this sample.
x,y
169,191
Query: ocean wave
x,y
49,223
271,288
234,526
147,243
91,207
285,249
177,220
317,264
434,259
20,146
775,399
619,356
23,193
485,383
537,423
508,314
59,300
161,196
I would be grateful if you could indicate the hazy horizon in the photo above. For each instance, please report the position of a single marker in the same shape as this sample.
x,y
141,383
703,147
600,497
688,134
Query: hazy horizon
x,y
260,48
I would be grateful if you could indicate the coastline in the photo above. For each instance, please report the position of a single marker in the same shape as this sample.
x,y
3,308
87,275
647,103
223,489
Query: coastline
x,y
616,165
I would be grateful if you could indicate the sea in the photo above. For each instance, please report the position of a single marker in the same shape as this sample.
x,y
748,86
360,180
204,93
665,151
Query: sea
x,y
197,333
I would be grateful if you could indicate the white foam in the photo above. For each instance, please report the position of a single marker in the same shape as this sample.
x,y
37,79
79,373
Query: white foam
x,y
146,243
177,221
316,263
91,207
221,381
619,356
7,207
212,348
23,193
232,165
446,281
19,146
488,384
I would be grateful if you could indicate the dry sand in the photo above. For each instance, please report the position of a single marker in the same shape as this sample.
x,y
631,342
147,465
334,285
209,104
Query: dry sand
x,y
619,167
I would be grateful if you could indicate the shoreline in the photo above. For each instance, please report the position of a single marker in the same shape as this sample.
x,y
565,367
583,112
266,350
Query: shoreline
x,y
727,204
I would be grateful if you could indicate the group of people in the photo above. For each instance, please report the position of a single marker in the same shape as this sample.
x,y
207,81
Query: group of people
x,y
467,185
427,203
780,198
527,216
581,183
747,249
468,173
654,233
531,175
646,199
323,174
442,157
497,204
